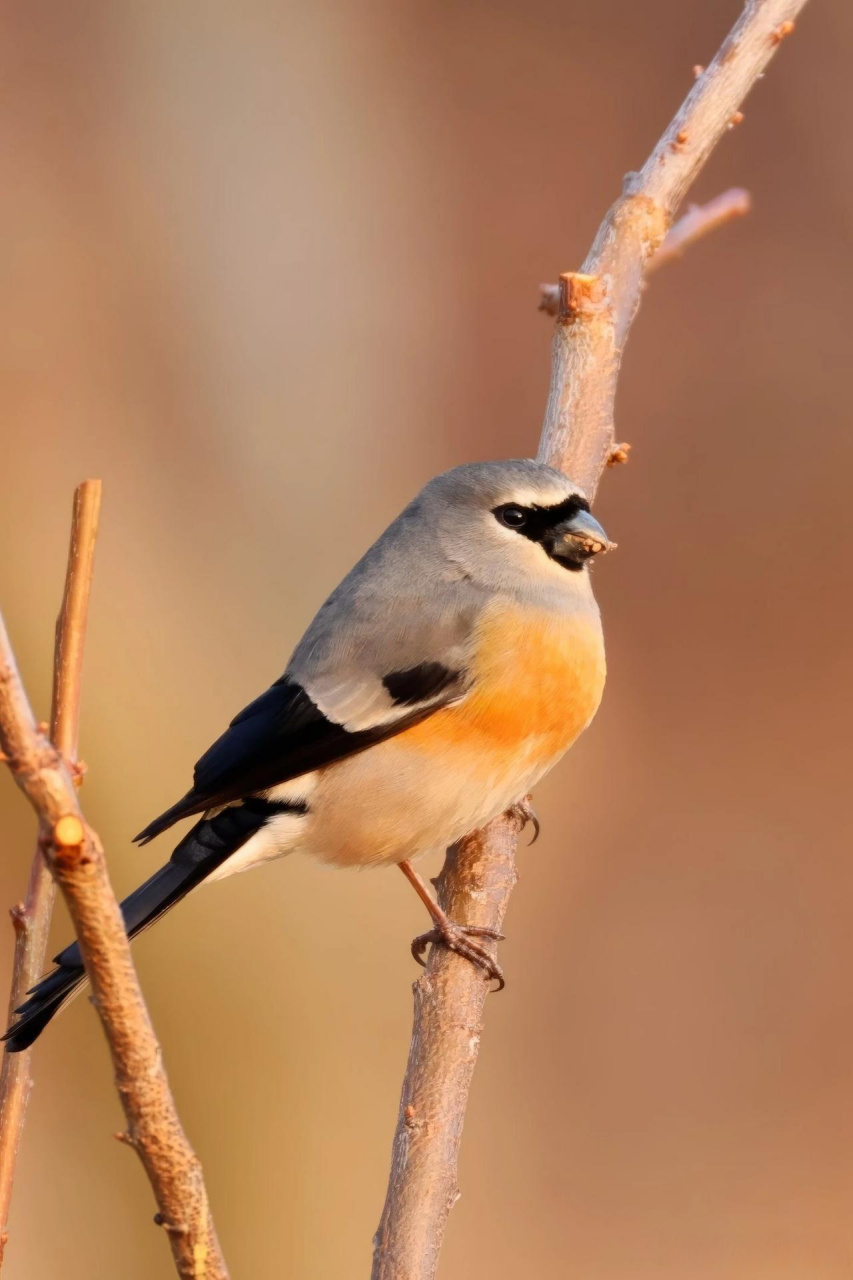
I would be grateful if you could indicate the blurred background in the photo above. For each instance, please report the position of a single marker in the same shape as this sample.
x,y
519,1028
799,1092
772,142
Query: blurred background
x,y
266,268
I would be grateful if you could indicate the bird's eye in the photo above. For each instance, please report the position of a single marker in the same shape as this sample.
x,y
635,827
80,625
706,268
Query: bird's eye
x,y
512,517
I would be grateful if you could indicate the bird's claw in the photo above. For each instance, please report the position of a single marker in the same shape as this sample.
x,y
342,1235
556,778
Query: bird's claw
x,y
524,811
457,937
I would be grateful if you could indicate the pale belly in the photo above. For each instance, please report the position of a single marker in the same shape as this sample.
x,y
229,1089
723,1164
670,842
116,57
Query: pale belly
x,y
537,684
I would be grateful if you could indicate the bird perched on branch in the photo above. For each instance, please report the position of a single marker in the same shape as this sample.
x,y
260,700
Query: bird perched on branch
x,y
451,669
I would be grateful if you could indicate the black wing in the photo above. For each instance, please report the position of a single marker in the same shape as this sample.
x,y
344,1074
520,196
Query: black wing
x,y
283,734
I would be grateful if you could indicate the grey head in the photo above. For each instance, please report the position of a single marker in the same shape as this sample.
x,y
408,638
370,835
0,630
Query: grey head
x,y
505,522
516,526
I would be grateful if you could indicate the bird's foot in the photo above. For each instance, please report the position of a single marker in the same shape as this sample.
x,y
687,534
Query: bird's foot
x,y
524,811
457,937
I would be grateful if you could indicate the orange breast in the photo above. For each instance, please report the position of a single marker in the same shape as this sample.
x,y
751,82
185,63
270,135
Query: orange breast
x,y
537,681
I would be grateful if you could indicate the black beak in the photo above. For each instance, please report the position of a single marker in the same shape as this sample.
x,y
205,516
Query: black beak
x,y
575,541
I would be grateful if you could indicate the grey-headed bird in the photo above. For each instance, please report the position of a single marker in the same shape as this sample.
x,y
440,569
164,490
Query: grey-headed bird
x,y
450,670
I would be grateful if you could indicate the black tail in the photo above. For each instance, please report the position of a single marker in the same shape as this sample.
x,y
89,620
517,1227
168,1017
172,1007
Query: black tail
x,y
201,851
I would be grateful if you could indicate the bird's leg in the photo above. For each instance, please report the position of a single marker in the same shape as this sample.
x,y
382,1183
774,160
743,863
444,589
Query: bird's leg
x,y
456,937
523,809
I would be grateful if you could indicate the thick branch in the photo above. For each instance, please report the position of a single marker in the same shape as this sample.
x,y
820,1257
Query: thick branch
x,y
31,919
598,305
76,859
474,886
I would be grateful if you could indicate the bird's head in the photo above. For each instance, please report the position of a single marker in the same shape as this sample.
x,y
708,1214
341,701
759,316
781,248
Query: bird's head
x,y
512,519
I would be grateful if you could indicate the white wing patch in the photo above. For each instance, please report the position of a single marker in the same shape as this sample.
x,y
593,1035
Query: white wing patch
x,y
360,703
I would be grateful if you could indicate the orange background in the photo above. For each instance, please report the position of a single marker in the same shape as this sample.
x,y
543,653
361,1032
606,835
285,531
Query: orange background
x,y
268,267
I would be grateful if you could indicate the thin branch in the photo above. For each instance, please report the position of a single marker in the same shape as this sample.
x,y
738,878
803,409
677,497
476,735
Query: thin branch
x,y
577,435
699,220
31,919
597,306
76,859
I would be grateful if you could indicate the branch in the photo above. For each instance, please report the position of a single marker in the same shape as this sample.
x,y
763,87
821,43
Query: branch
x,y
699,220
577,435
474,886
597,306
76,860
31,919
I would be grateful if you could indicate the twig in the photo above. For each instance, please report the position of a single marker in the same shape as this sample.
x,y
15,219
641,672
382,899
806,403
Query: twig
x,y
31,919
75,857
697,222
597,306
577,434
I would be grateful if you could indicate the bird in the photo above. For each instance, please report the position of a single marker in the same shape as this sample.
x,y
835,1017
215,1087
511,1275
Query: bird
x,y
448,672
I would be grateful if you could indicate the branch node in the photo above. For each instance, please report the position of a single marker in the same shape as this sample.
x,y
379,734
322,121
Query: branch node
x,y
68,832
549,299
783,30
20,921
579,295
174,1228
735,119
68,837
698,71
698,221
618,454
